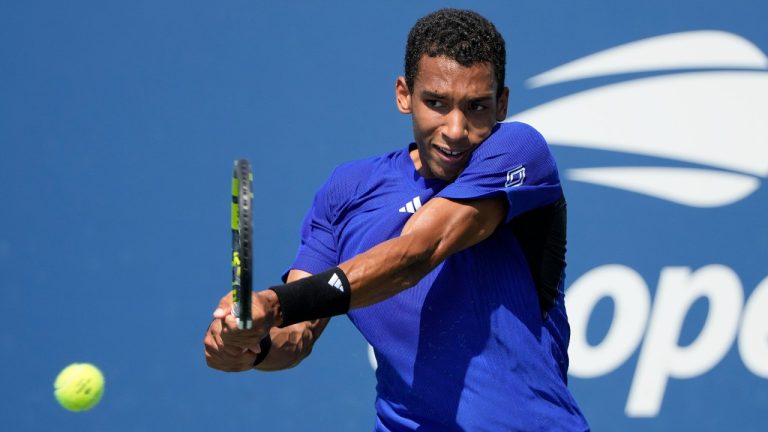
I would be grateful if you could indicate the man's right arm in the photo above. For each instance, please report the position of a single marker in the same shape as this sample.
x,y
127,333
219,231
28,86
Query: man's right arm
x,y
292,344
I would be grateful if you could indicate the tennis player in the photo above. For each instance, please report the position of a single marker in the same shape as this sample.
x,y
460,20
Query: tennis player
x,y
447,254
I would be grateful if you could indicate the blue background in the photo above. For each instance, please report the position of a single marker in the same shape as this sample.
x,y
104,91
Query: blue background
x,y
119,122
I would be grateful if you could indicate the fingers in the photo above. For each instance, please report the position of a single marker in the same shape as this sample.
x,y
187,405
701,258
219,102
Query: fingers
x,y
224,357
241,362
227,347
237,338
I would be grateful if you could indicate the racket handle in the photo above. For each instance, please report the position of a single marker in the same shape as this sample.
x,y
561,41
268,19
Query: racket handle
x,y
242,324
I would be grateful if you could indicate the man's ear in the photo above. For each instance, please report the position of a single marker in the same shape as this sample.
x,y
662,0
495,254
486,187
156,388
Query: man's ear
x,y
403,96
501,106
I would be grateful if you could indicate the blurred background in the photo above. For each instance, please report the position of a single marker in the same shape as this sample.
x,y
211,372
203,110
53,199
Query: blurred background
x,y
119,122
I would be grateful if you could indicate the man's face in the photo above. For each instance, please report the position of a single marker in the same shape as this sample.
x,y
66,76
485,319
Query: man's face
x,y
454,108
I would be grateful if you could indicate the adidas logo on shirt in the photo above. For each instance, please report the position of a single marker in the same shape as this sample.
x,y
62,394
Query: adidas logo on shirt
x,y
411,206
335,282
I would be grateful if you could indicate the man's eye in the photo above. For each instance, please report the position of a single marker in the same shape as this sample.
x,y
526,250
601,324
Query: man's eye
x,y
474,106
434,103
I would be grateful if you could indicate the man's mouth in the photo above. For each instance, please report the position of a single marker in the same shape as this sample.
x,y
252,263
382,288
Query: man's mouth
x,y
450,154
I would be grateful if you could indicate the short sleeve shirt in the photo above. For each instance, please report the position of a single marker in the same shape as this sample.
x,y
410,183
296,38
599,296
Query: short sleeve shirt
x,y
466,347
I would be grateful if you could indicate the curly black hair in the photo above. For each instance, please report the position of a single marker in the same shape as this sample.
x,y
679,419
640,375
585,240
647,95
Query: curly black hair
x,y
461,35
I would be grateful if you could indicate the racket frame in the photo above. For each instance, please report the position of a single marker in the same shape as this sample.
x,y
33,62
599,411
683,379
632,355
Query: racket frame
x,y
242,255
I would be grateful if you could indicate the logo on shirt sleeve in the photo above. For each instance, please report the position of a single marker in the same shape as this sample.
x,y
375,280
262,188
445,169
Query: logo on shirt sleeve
x,y
515,176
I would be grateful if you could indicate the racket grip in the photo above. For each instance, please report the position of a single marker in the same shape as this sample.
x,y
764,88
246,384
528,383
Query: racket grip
x,y
242,324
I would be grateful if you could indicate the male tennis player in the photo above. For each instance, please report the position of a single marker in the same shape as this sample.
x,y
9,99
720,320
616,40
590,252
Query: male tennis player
x,y
448,256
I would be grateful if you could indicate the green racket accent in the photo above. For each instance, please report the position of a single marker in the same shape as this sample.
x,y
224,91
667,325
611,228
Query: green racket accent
x,y
235,206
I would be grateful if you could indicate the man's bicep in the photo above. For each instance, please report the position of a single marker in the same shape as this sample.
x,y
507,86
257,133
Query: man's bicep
x,y
456,224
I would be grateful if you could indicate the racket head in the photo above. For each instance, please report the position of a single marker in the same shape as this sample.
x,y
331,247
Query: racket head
x,y
242,209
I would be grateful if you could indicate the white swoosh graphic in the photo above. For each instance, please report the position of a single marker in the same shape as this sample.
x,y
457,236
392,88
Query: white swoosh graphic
x,y
718,119
711,118
687,50
689,186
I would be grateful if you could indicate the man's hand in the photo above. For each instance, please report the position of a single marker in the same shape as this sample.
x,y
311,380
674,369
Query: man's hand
x,y
222,357
230,349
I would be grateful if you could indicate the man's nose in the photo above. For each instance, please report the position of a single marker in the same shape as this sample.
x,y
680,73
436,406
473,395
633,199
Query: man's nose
x,y
455,126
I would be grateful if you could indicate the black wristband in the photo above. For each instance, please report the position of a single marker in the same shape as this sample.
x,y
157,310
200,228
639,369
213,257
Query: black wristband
x,y
319,296
265,345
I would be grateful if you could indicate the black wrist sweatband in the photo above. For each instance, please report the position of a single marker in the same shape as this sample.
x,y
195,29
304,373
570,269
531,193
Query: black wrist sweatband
x,y
318,296
265,345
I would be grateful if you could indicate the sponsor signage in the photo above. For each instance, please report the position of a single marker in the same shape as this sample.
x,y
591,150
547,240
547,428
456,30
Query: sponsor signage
x,y
664,157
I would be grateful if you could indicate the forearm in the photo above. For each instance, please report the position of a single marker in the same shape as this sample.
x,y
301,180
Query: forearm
x,y
375,275
291,345
439,229
389,268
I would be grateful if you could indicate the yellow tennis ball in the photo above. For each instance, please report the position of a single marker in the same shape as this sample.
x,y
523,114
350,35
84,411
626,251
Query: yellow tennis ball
x,y
79,386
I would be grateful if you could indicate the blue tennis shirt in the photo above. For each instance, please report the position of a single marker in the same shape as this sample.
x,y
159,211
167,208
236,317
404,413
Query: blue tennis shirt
x,y
466,348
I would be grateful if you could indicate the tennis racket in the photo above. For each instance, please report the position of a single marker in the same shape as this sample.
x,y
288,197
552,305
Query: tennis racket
x,y
242,196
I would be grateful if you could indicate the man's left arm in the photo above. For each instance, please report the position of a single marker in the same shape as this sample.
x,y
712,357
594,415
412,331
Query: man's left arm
x,y
439,229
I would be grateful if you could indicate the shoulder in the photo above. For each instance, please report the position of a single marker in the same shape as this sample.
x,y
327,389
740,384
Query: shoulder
x,y
515,154
350,179
355,170
514,139
512,145
358,172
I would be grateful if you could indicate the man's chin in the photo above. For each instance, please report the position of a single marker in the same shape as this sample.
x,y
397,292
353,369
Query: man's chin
x,y
446,176
448,172
440,172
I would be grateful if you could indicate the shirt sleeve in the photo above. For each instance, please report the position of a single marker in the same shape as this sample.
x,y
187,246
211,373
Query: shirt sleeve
x,y
515,162
318,248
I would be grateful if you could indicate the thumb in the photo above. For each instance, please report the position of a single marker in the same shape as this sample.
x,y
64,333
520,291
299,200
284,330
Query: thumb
x,y
224,308
221,313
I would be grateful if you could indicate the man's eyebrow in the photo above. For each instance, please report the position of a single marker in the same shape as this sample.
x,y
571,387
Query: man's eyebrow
x,y
432,95
435,95
482,97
